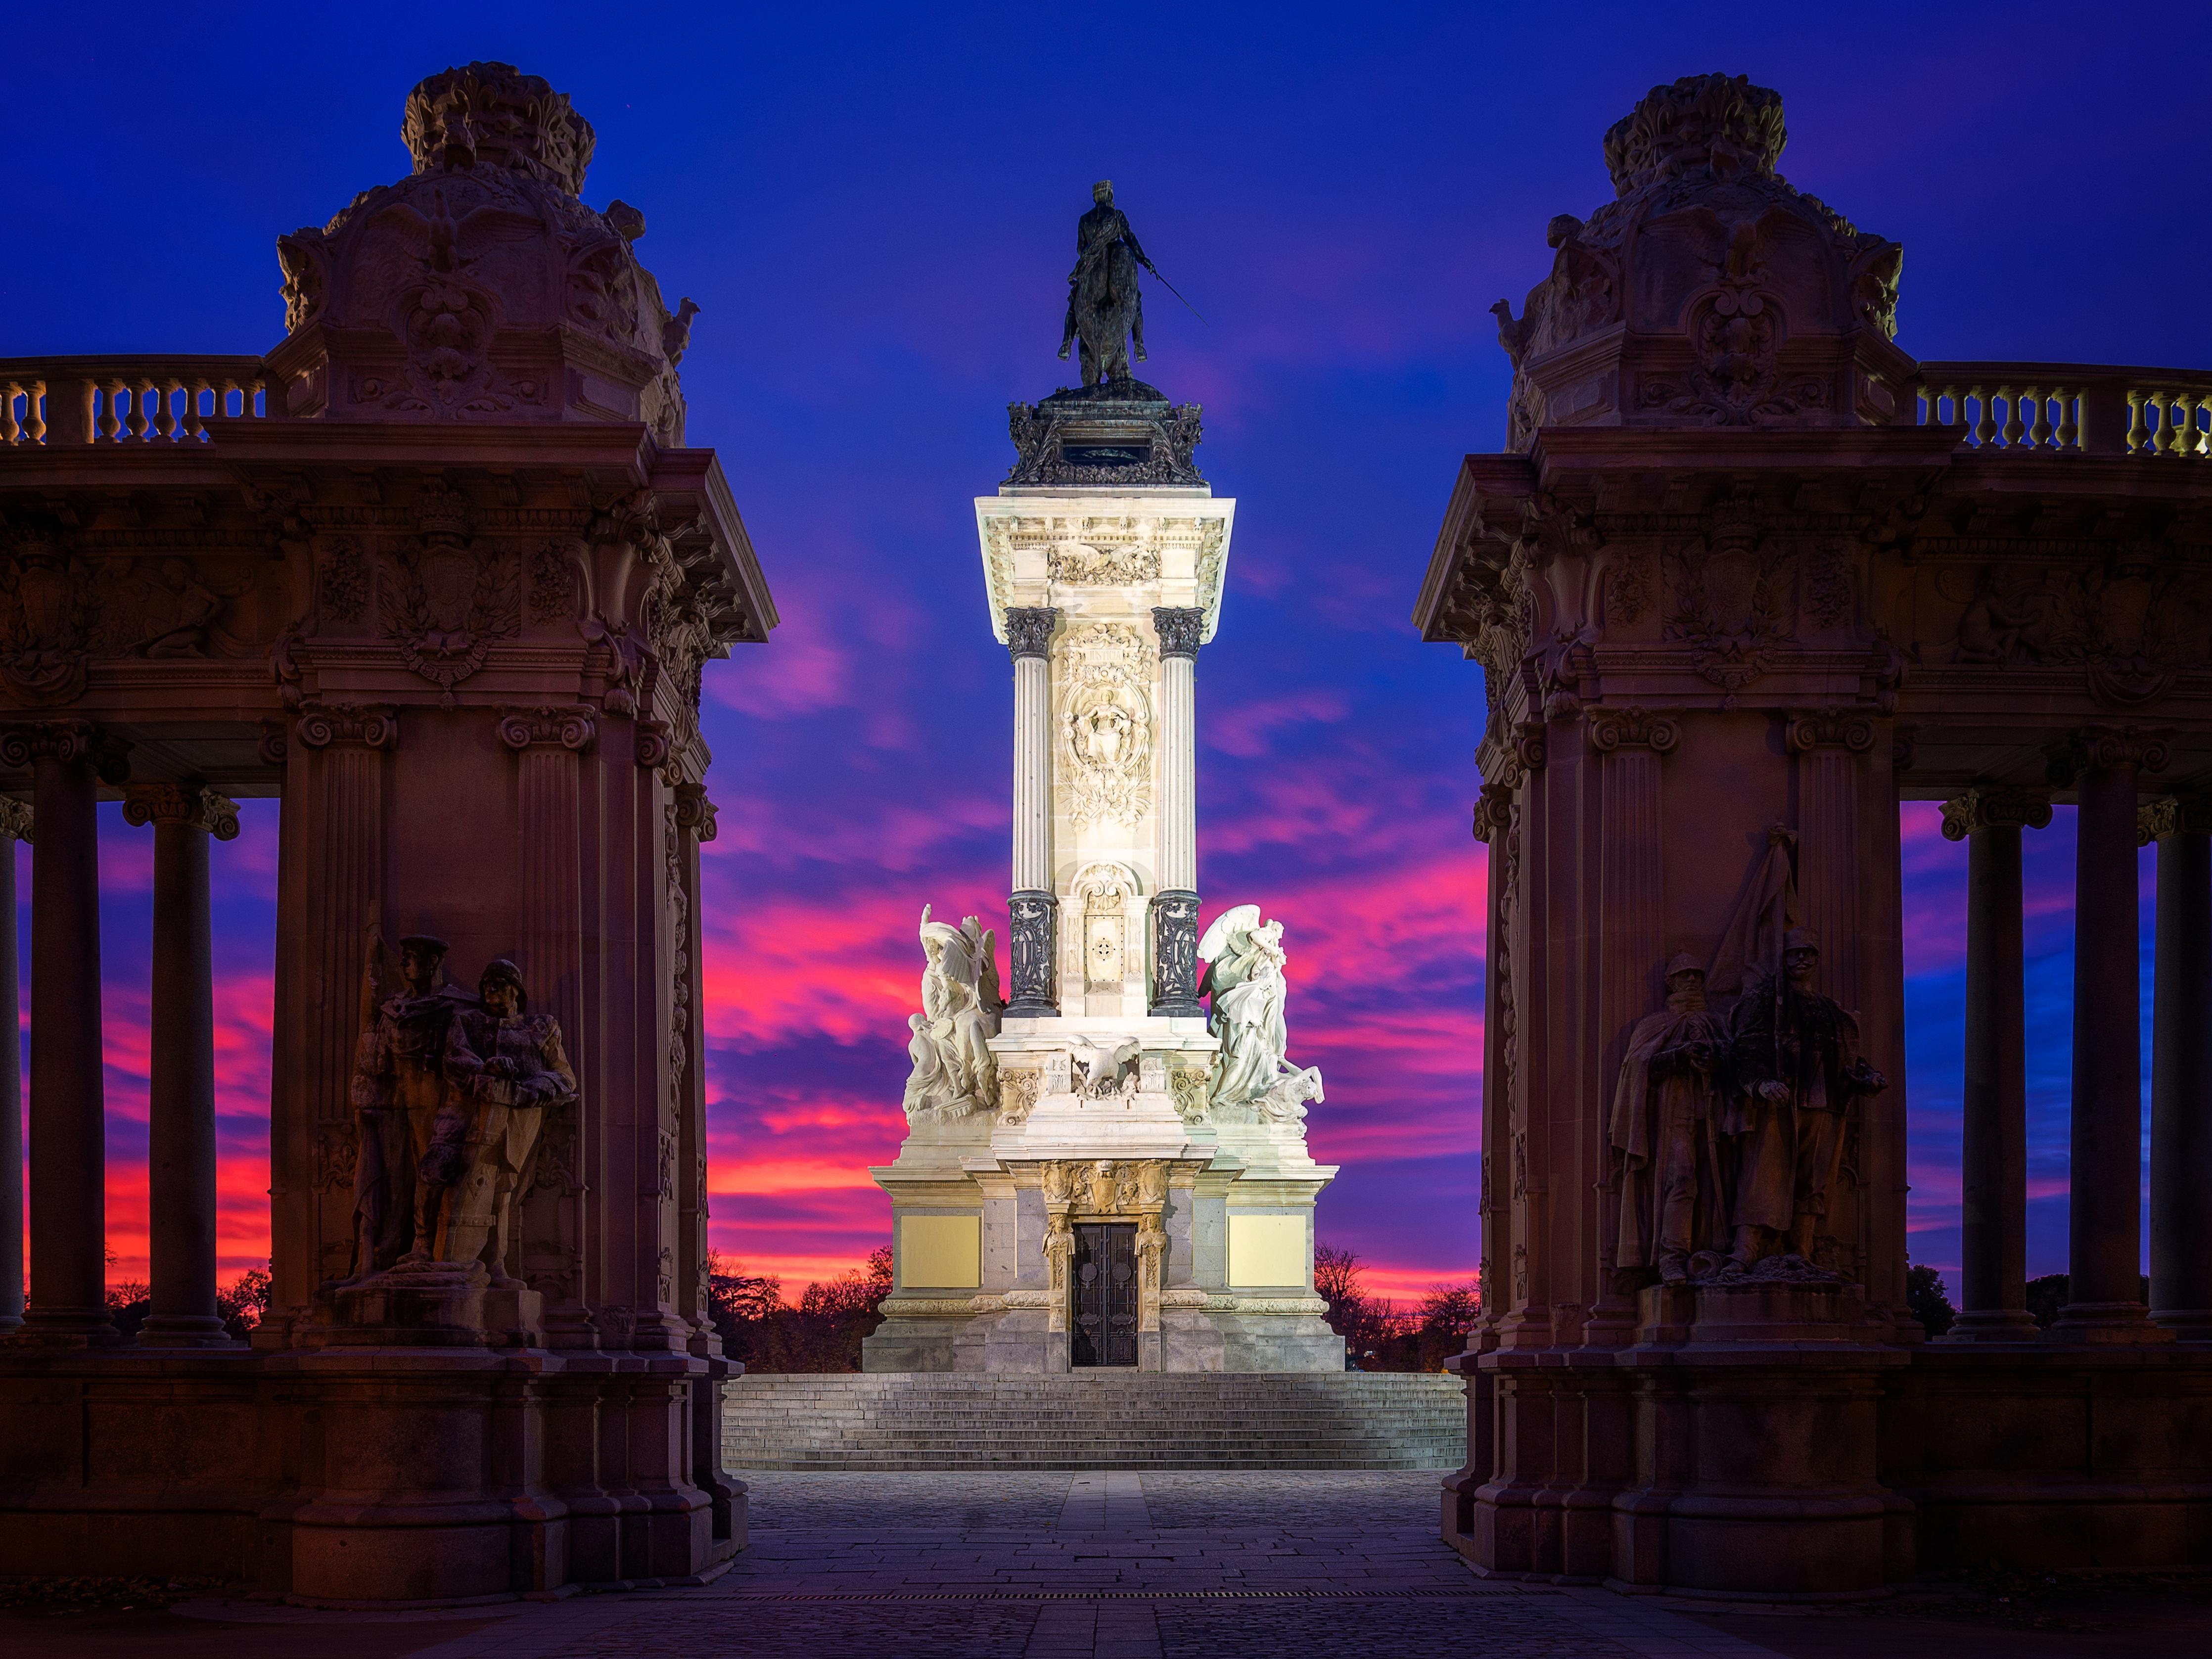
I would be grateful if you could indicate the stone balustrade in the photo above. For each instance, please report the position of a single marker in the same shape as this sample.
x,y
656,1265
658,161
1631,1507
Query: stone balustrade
x,y
102,400
2077,408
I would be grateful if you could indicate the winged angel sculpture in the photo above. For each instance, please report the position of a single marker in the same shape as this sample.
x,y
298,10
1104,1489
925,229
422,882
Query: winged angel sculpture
x,y
1244,960
950,1040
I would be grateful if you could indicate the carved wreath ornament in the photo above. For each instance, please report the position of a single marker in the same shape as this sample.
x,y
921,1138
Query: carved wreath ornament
x,y
1106,724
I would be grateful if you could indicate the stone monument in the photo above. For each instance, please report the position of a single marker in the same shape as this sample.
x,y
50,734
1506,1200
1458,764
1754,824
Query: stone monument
x,y
1746,577
1110,1168
439,574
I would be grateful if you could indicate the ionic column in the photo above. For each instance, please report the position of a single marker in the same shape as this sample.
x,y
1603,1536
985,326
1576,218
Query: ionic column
x,y
1032,911
181,1195
1993,1210
2105,1211
69,1199
14,826
1175,905
2181,1071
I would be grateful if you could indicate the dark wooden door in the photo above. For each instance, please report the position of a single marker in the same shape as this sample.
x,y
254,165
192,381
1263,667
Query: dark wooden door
x,y
1105,1330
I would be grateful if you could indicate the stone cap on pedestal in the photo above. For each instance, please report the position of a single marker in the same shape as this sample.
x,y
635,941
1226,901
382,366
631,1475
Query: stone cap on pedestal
x,y
1116,435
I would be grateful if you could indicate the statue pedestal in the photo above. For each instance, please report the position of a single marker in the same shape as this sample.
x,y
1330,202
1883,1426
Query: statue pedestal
x,y
1752,1408
439,1306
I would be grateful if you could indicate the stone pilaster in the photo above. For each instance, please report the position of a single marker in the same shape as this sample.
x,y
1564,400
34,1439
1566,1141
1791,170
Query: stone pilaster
x,y
180,1176
1831,747
68,760
1631,917
1175,905
14,826
2181,1070
1993,1165
1032,910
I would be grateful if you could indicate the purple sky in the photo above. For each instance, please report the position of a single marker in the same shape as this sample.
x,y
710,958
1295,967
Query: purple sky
x,y
874,207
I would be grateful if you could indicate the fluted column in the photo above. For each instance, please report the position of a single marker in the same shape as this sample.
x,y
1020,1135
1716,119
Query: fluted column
x,y
14,826
2105,1301
1993,1168
2181,1071
180,1186
1832,746
1174,904
69,1199
1033,911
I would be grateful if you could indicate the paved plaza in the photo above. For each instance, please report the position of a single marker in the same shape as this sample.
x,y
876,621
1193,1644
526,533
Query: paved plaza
x,y
1036,1565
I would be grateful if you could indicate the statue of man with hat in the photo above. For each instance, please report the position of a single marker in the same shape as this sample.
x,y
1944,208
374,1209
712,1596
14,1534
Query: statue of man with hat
x,y
510,1063
1798,1078
1666,1113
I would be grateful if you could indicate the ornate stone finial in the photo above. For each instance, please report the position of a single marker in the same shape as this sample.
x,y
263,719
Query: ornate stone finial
x,y
1178,628
1721,122
493,115
1029,630
1996,809
15,818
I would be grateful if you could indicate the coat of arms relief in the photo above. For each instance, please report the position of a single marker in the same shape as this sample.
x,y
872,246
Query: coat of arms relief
x,y
1106,724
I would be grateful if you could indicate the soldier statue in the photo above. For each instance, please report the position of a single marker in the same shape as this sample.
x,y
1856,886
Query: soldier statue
x,y
1797,1082
510,1063
1666,1111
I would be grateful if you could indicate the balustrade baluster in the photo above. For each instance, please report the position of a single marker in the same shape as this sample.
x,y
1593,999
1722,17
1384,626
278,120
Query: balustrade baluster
x,y
2039,430
2013,429
2185,439
194,427
2164,442
2069,431
1986,428
11,433
107,426
2138,437
165,419
135,422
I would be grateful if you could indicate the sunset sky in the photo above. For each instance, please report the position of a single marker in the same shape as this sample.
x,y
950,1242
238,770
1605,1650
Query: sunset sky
x,y
874,207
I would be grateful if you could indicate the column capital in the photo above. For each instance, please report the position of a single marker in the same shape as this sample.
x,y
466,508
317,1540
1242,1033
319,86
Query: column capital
x,y
1493,812
370,725
189,804
1829,728
2173,816
694,810
15,818
1178,628
70,741
571,725
1996,809
2141,748
1614,729
1029,630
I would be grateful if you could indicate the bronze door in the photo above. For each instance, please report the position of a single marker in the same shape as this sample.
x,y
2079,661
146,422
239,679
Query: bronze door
x,y
1105,1325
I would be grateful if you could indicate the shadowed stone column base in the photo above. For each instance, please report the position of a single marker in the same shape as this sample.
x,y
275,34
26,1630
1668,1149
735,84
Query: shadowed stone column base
x,y
438,1306
1993,1325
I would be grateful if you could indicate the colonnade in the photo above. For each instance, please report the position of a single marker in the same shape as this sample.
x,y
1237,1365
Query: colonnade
x,y
68,1306
2105,1302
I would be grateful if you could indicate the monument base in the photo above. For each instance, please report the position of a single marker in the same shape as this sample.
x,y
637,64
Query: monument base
x,y
438,1306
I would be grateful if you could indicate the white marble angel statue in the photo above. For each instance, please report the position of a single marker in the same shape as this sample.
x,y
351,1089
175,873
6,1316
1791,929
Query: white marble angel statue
x,y
949,1040
1244,960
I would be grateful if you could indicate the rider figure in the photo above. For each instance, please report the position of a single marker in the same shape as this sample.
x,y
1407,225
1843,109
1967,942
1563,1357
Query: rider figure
x,y
1104,283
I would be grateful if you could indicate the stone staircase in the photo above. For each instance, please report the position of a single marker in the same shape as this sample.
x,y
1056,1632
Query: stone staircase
x,y
938,1420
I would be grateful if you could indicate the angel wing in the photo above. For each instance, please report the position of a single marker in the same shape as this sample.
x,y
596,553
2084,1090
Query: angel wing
x,y
1237,919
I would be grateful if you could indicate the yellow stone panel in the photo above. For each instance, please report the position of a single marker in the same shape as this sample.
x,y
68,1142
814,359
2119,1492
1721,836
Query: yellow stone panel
x,y
1266,1249
941,1252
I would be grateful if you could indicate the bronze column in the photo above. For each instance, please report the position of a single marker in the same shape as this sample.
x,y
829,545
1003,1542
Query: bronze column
x,y
14,826
180,1196
2181,1071
1993,1169
69,1164
2105,1220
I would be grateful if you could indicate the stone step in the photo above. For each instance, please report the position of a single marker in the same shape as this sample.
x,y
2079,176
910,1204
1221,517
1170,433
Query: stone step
x,y
1119,1420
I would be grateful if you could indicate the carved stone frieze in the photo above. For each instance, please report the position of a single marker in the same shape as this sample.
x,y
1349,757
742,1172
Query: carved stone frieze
x,y
1728,595
1613,729
342,581
1123,434
1996,808
371,724
552,583
2130,622
1017,1094
1080,566
445,604
572,726
1106,724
